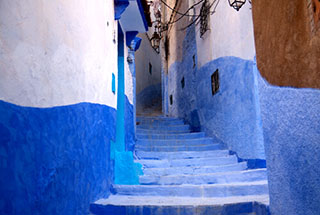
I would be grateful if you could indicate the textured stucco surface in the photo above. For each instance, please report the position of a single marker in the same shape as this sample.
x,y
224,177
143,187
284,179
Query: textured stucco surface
x,y
145,55
149,97
54,160
57,52
287,51
230,34
231,115
291,123
129,124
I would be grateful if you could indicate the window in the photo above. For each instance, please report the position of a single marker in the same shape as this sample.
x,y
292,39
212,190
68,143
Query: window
x,y
204,17
194,61
182,83
171,100
215,82
150,68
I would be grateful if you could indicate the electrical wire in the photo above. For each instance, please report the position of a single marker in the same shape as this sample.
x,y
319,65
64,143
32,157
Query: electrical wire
x,y
193,6
198,17
178,12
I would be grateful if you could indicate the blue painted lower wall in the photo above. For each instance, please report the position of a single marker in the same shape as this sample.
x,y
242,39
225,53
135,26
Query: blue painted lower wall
x,y
149,97
54,160
291,125
232,115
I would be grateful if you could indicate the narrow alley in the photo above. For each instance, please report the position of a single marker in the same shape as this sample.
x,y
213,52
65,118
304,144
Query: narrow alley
x,y
153,107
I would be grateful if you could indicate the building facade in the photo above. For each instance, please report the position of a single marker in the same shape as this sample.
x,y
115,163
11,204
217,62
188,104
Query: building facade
x,y
67,102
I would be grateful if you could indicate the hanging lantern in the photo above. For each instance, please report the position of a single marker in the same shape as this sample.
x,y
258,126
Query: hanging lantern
x,y
237,4
155,41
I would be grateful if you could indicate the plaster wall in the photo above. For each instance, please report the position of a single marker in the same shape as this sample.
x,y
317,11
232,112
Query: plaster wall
x,y
148,86
145,55
175,31
230,34
287,42
128,76
57,53
232,115
291,125
57,159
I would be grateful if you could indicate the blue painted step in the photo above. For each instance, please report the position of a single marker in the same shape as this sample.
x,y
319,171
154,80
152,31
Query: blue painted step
x,y
159,118
160,123
189,162
204,147
172,131
181,155
171,136
174,142
208,178
194,170
210,190
150,205
184,170
165,127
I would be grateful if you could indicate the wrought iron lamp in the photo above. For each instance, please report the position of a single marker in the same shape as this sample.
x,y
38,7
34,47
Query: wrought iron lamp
x,y
156,37
155,41
237,4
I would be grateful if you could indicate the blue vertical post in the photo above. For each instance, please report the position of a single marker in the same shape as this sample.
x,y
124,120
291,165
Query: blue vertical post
x,y
120,132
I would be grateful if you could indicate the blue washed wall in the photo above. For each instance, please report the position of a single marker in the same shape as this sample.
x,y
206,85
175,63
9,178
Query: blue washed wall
x,y
164,90
148,97
129,125
184,100
232,115
54,160
291,125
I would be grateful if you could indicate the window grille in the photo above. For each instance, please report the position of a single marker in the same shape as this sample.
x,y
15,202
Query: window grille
x,y
204,18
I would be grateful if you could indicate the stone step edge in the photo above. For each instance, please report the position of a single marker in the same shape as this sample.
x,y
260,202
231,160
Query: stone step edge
x,y
177,140
125,200
196,167
227,173
251,183
162,136
188,159
217,153
177,146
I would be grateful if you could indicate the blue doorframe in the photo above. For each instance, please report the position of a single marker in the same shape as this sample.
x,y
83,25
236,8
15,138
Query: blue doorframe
x,y
120,132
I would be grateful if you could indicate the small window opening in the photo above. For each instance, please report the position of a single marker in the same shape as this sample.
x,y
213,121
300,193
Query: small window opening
x,y
150,68
171,100
194,61
182,83
215,82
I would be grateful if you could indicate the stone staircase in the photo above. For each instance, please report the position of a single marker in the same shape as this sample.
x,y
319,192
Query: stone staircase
x,y
186,173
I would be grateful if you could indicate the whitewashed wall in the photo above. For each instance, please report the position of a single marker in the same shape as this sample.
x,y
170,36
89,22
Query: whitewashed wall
x,y
57,52
230,34
145,55
128,89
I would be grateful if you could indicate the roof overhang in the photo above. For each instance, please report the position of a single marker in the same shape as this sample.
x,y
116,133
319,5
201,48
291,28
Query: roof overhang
x,y
133,18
